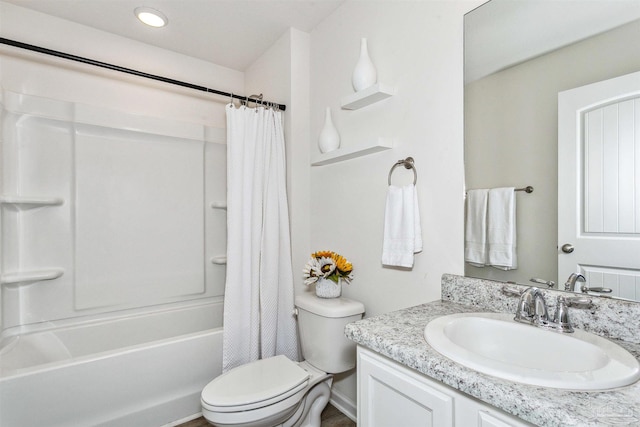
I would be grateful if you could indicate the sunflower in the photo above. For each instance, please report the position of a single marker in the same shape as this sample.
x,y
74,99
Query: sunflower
x,y
322,254
342,264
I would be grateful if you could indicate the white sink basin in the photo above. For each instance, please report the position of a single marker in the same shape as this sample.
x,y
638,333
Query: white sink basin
x,y
495,344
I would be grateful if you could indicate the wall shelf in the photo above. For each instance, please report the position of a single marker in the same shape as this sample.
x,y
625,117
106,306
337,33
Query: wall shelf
x,y
367,96
30,202
219,260
26,277
342,154
219,204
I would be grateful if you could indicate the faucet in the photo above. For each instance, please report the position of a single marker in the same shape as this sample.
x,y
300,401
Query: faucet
x,y
532,310
570,284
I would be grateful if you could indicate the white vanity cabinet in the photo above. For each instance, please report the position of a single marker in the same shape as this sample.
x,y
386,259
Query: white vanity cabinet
x,y
390,394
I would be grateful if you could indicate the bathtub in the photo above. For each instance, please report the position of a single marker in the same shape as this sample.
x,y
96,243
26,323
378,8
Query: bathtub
x,y
144,369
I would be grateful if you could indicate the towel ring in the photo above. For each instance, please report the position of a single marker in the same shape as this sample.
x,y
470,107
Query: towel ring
x,y
408,163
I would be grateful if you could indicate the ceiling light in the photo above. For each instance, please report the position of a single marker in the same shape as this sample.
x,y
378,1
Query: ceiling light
x,y
151,17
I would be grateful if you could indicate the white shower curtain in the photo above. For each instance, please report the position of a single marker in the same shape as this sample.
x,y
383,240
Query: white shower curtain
x,y
258,301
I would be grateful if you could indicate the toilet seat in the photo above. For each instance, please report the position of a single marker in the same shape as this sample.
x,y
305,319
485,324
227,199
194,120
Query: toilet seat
x,y
255,385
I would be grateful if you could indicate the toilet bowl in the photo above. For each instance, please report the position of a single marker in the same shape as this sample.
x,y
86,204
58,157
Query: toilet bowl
x,y
279,392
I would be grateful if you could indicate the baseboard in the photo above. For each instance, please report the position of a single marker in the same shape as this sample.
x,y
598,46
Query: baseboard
x,y
344,405
183,420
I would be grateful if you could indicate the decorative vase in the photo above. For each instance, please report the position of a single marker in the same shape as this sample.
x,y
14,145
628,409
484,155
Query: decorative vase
x,y
326,288
329,139
365,74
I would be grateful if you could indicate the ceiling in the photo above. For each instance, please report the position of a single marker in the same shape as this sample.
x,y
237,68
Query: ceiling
x,y
231,33
502,33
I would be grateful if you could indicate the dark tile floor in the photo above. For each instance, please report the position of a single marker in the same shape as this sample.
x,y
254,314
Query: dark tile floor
x,y
331,417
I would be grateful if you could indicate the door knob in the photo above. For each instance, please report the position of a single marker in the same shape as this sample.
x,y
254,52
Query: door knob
x,y
567,248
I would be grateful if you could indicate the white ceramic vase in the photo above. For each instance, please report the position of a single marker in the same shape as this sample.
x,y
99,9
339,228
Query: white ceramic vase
x,y
365,74
326,288
329,138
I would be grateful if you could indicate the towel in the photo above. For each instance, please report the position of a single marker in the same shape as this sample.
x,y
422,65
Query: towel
x,y
501,228
402,230
475,242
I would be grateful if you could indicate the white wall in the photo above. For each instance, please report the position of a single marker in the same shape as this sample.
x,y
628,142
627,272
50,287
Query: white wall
x,y
511,138
416,47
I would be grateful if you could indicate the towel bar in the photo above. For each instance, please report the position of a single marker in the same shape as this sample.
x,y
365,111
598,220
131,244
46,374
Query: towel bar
x,y
408,163
527,189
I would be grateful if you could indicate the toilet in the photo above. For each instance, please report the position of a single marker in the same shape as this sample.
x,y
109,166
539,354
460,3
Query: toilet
x,y
279,392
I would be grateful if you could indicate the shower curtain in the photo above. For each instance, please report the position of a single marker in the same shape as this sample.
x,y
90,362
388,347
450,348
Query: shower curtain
x,y
258,302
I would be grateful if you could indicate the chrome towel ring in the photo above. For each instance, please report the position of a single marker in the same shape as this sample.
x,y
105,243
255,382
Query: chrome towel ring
x,y
408,163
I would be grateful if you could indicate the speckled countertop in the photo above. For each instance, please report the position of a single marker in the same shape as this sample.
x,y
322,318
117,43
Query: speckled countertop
x,y
399,336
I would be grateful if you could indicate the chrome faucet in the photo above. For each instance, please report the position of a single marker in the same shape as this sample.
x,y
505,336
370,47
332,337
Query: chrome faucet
x,y
532,307
532,310
570,284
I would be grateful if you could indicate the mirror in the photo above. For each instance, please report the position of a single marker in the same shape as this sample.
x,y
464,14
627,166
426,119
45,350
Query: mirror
x,y
518,57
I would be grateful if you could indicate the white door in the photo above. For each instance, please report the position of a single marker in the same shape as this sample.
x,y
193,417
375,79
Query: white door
x,y
599,184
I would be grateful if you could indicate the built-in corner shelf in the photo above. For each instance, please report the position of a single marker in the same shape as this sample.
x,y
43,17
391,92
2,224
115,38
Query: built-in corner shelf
x,y
220,260
27,202
219,204
26,277
367,96
342,154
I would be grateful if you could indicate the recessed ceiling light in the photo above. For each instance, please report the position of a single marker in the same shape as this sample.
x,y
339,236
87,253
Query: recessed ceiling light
x,y
151,17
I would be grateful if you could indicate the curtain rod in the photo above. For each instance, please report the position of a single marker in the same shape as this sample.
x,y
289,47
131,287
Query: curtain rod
x,y
131,71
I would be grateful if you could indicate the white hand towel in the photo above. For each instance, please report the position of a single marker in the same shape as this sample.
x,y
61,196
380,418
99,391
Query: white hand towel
x,y
475,244
501,228
402,230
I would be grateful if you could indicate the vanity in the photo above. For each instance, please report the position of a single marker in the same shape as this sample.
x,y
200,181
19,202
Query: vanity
x,y
402,380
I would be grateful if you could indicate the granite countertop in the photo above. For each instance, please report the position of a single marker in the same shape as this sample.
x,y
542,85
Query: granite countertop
x,y
399,336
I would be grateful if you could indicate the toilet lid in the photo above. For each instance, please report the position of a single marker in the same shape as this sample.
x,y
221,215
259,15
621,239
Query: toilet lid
x,y
255,382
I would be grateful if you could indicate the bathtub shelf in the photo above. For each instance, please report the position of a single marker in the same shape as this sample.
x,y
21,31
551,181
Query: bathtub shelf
x,y
27,277
220,260
26,202
219,204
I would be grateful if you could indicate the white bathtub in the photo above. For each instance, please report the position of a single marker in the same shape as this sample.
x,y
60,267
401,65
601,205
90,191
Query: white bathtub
x,y
133,371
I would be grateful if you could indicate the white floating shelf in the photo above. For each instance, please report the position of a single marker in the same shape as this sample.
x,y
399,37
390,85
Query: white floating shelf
x,y
220,260
342,154
27,202
367,96
30,276
219,204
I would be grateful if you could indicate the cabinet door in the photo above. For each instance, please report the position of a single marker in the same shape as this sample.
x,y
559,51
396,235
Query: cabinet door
x,y
391,395
486,419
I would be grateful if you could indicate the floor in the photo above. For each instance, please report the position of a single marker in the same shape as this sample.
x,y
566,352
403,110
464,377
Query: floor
x,y
331,417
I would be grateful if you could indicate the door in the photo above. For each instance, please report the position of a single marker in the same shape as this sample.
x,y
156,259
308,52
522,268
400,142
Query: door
x,y
599,184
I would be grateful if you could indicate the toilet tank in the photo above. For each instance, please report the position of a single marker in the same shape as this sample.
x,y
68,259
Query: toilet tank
x,y
321,323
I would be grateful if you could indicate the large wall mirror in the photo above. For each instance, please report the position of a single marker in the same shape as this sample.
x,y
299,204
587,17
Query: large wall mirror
x,y
519,55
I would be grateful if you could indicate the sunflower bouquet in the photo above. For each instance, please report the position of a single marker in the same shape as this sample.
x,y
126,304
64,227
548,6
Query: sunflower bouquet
x,y
327,265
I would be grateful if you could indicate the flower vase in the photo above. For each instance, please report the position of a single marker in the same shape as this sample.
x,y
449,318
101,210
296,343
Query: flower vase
x,y
329,139
326,288
365,74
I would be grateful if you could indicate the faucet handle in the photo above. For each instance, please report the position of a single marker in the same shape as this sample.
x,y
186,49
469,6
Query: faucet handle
x,y
514,291
549,283
580,302
561,318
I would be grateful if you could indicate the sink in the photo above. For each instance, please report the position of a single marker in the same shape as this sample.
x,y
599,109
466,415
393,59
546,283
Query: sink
x,y
495,344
